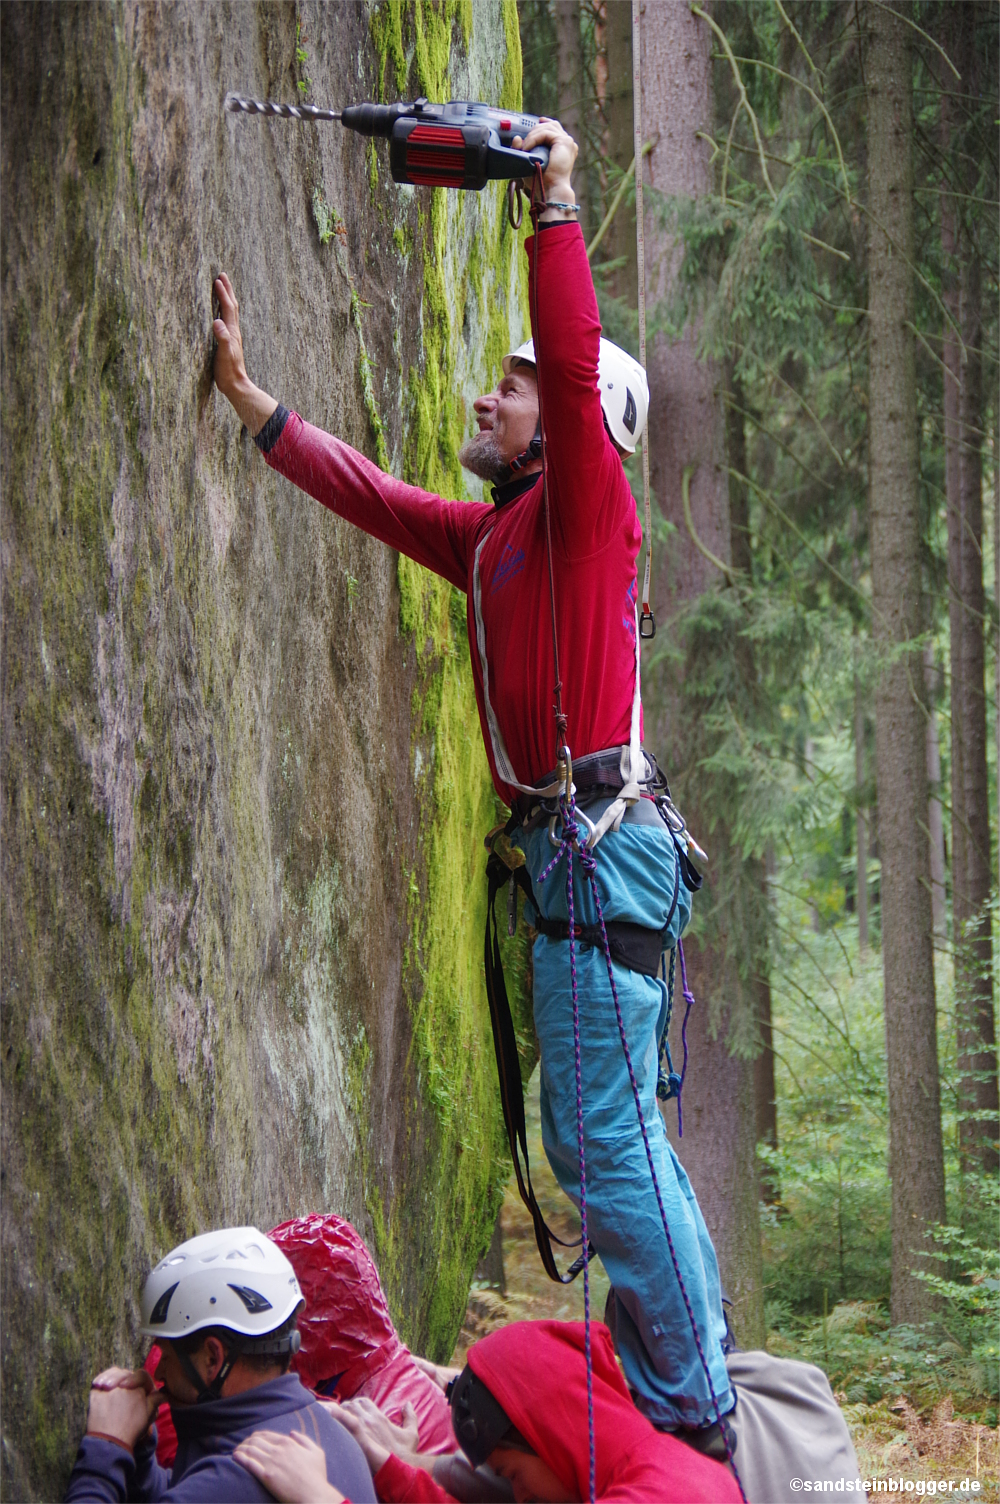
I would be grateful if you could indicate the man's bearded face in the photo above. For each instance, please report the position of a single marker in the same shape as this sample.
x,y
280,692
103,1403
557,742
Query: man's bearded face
x,y
482,456
508,419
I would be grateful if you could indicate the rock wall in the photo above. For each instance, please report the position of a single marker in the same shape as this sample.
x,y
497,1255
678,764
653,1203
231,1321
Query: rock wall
x,y
243,783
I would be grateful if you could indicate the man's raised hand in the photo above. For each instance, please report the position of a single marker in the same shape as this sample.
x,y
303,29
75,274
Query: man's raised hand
x,y
558,176
253,406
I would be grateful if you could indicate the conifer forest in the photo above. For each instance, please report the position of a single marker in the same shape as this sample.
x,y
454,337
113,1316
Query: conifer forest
x,y
244,792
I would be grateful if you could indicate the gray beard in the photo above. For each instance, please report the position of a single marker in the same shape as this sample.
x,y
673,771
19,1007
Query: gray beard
x,y
481,456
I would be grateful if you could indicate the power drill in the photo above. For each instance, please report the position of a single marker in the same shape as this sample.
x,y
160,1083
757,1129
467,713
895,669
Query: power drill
x,y
456,145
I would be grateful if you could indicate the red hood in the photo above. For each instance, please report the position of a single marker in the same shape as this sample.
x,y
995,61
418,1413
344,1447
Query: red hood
x,y
538,1372
346,1323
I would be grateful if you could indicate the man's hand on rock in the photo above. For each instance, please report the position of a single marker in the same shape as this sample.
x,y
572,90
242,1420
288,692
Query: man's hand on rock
x,y
253,407
123,1402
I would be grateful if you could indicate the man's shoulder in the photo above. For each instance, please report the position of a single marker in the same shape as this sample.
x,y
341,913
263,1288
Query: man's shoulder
x,y
215,1479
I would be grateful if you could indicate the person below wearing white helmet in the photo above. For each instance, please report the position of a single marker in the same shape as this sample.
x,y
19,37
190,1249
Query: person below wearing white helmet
x,y
223,1308
593,398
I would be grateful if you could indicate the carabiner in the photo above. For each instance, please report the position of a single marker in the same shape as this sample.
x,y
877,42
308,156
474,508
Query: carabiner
x,y
582,819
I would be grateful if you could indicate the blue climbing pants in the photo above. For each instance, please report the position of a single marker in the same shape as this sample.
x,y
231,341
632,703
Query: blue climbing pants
x,y
636,874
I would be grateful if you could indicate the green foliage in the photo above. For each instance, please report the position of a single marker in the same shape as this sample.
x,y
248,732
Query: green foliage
x,y
328,221
303,84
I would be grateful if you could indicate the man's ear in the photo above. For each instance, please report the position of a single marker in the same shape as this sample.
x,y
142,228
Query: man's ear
x,y
214,1355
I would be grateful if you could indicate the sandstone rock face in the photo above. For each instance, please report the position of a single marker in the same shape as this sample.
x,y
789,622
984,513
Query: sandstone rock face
x,y
243,785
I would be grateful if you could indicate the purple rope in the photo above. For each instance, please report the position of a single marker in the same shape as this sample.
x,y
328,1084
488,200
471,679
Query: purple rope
x,y
570,833
688,1005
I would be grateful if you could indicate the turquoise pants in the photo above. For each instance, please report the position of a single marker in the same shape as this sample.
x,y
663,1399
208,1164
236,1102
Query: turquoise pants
x,y
636,871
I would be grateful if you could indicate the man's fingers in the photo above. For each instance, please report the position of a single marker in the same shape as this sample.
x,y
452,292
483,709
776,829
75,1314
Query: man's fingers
x,y
117,1378
227,299
354,1423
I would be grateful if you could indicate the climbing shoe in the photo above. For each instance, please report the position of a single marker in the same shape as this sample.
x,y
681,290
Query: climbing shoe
x,y
711,1440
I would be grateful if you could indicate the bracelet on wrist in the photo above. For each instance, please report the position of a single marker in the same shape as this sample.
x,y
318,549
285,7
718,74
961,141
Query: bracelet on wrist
x,y
569,208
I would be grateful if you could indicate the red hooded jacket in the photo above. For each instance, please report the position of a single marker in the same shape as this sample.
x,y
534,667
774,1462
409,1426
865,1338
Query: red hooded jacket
x,y
347,1332
538,1373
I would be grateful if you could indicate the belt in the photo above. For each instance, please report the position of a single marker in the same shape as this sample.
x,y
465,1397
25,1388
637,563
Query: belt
x,y
596,776
631,945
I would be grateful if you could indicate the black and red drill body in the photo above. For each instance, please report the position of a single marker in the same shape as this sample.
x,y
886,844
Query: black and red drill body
x,y
461,144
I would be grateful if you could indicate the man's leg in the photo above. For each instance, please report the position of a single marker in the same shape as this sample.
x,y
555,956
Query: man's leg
x,y
655,1339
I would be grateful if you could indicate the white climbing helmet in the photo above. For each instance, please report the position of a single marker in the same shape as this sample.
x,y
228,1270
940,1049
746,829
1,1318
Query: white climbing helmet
x,y
234,1278
624,389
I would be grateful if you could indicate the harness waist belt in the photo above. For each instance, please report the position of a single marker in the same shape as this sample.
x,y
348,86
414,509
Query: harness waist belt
x,y
631,945
597,774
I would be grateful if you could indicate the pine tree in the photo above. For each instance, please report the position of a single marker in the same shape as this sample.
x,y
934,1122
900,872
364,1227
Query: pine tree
x,y
916,1158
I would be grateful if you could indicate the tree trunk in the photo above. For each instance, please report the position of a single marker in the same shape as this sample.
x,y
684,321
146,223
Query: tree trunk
x,y
765,1095
687,428
971,855
620,240
860,779
570,87
935,821
861,818
916,1161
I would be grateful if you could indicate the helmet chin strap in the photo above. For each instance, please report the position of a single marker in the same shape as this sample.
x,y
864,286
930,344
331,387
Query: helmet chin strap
x,y
212,1391
533,452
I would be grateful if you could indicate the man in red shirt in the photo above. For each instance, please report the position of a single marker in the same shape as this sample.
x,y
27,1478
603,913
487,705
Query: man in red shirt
x,y
594,400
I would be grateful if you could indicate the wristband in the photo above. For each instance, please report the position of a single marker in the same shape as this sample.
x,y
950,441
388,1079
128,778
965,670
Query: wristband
x,y
570,208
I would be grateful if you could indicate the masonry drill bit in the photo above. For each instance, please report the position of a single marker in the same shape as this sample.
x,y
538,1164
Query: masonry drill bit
x,y
237,105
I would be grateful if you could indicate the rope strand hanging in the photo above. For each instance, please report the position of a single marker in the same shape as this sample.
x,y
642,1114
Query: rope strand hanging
x,y
647,621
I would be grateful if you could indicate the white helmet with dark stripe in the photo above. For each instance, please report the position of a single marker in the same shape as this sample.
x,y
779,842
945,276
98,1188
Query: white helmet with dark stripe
x,y
624,390
234,1278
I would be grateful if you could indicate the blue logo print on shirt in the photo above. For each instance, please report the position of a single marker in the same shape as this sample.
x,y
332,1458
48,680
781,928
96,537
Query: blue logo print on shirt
x,y
628,621
511,563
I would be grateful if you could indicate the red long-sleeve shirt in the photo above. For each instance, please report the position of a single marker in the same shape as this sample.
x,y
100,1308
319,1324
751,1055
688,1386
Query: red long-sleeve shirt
x,y
595,540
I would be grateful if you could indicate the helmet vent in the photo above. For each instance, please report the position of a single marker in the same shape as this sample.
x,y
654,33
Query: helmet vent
x,y
159,1312
630,412
251,1299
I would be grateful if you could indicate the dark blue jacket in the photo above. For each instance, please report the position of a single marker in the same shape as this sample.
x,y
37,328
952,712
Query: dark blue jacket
x,y
204,1469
